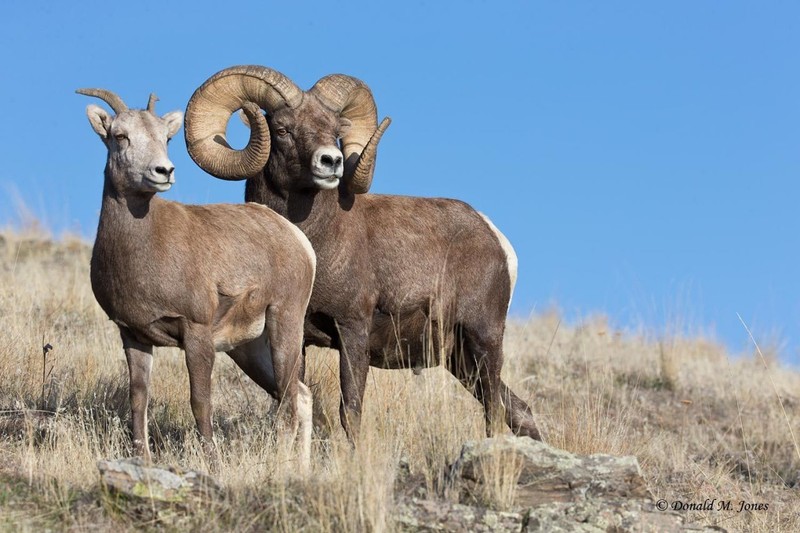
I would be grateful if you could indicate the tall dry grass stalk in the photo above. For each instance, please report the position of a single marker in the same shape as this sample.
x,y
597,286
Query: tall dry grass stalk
x,y
672,403
772,383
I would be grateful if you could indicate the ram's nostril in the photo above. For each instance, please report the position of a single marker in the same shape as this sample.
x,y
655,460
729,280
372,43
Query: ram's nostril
x,y
164,171
327,160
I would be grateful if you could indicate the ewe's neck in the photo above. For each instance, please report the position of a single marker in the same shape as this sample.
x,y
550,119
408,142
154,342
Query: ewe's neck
x,y
124,211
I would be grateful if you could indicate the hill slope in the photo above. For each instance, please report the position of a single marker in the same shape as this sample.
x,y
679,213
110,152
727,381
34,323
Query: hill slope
x,y
703,426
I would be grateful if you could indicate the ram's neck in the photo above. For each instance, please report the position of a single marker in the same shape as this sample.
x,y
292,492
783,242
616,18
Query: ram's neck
x,y
311,210
257,189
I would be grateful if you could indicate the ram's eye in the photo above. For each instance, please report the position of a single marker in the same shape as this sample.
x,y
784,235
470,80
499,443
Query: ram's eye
x,y
281,131
120,137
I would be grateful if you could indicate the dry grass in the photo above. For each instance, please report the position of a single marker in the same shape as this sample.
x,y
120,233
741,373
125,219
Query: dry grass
x,y
702,424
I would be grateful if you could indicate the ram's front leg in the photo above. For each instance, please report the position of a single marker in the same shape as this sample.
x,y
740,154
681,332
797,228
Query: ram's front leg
x,y
140,362
353,368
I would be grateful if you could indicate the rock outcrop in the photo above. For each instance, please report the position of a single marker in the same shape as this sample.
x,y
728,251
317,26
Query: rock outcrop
x,y
500,484
545,490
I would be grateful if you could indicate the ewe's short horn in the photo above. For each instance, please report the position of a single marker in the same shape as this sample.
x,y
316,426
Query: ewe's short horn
x,y
352,99
242,87
114,101
151,103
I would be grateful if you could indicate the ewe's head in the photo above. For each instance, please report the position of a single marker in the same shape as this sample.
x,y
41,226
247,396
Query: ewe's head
x,y
137,143
308,140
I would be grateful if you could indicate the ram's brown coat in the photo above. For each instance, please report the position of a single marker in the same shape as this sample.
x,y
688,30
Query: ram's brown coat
x,y
400,280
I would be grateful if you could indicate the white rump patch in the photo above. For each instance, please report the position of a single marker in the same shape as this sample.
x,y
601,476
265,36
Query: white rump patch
x,y
511,256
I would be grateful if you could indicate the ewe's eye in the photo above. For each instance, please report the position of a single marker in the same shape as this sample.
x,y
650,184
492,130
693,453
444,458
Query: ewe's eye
x,y
120,137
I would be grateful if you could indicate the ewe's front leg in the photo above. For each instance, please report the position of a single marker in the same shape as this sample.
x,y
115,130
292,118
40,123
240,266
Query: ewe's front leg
x,y
200,362
353,368
140,362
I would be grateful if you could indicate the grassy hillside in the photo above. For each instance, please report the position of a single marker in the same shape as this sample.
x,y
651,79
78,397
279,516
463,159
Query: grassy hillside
x,y
702,424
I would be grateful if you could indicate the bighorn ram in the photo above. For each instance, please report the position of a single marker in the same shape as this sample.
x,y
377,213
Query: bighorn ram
x,y
234,278
401,281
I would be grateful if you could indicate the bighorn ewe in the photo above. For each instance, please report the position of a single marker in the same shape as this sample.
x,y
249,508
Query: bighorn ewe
x,y
400,280
232,278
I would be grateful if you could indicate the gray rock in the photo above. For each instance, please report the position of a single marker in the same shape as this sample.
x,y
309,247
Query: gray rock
x,y
547,474
415,514
590,516
134,478
600,516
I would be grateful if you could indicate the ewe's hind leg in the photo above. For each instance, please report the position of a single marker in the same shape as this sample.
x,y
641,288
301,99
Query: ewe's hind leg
x,y
275,362
140,361
476,362
255,359
285,331
199,348
305,408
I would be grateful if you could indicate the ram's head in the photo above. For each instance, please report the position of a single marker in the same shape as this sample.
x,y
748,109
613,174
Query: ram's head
x,y
308,139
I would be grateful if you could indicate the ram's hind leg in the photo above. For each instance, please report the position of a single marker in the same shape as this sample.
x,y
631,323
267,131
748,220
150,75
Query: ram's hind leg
x,y
519,416
255,359
353,369
476,360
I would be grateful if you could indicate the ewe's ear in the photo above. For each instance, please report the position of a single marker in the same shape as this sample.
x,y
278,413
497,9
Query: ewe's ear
x,y
99,119
174,119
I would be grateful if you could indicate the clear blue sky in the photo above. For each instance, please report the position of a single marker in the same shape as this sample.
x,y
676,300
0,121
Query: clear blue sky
x,y
643,158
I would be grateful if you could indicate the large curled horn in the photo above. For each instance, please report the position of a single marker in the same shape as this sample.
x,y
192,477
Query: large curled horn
x,y
242,87
362,175
114,101
352,99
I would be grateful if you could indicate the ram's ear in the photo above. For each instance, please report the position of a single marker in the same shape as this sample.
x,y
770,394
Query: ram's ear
x,y
244,119
174,119
344,125
100,120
